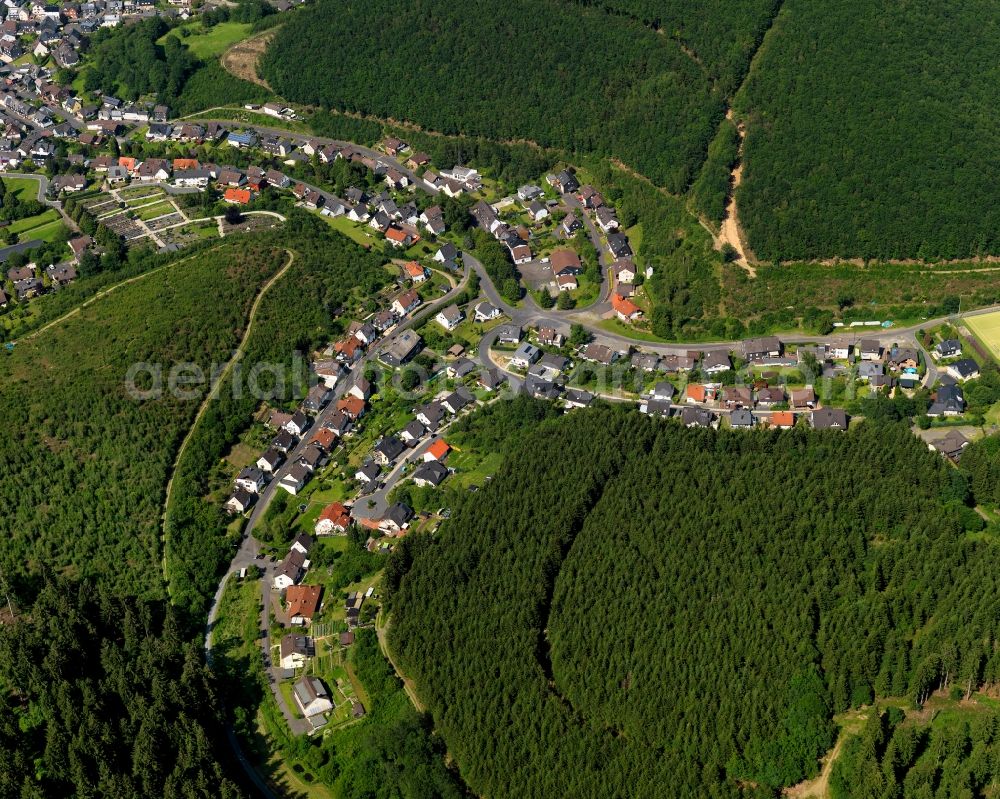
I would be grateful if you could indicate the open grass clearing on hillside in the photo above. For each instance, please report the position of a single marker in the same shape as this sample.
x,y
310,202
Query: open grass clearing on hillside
x,y
208,43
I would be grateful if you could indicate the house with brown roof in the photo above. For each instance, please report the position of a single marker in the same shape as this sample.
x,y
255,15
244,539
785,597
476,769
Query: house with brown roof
x,y
303,602
335,518
803,398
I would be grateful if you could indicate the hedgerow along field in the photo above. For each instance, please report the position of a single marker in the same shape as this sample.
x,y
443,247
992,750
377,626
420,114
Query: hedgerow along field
x,y
86,464
631,608
872,132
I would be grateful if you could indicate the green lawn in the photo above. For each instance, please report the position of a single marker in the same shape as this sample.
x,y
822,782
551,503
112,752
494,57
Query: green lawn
x,y
153,211
22,188
45,226
360,234
211,43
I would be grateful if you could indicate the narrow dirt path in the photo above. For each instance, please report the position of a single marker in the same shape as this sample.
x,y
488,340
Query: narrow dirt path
x,y
212,394
818,786
381,630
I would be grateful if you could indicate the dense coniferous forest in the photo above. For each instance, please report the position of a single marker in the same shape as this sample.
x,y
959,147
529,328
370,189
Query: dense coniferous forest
x,y
85,464
872,132
636,609
101,696
554,73
720,35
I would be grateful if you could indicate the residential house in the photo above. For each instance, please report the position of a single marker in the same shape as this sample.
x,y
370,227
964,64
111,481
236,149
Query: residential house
x,y
951,445
430,473
241,501
769,396
412,432
449,318
295,478
802,398
903,358
948,401
716,362
415,272
295,650
405,302
298,424
757,349
396,518
402,349
741,419
457,400
368,473
783,420
387,450
599,353
698,417
311,696
625,309
965,369
949,348
623,271
607,219
270,461
565,262
618,244
303,602
829,419
525,355
290,571
485,311
570,224
737,397
430,415
577,398
437,451
252,479
317,398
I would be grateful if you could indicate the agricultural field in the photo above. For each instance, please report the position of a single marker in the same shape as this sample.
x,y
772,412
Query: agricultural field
x,y
872,132
987,330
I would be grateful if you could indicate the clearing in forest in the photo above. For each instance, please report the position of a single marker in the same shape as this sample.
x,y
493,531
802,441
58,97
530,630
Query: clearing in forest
x,y
241,59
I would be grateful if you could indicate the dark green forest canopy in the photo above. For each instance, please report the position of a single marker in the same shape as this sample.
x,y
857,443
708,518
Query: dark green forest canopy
x,y
85,464
100,696
632,607
544,70
873,132
721,35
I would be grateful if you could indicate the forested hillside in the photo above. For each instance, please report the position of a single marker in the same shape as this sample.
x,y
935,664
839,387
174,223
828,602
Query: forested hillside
x,y
632,608
544,70
100,696
85,464
720,35
872,132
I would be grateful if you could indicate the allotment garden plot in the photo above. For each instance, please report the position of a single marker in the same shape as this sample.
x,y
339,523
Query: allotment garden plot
x,y
141,214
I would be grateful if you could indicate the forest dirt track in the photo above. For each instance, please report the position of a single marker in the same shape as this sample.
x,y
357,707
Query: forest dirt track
x,y
213,392
819,786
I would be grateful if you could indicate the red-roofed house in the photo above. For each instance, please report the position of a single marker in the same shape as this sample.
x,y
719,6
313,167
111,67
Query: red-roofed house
x,y
238,196
783,419
627,310
351,406
437,451
414,272
303,602
335,518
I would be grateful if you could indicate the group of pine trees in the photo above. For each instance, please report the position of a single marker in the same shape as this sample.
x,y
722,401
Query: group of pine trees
x,y
635,609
